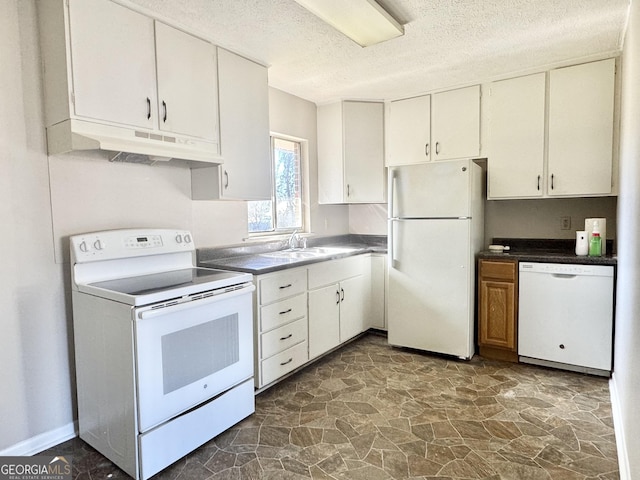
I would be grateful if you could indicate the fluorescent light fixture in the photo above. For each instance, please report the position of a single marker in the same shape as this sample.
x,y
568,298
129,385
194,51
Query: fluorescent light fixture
x,y
363,21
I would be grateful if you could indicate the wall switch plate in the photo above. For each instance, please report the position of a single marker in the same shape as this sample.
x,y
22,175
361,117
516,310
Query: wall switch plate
x,y
565,223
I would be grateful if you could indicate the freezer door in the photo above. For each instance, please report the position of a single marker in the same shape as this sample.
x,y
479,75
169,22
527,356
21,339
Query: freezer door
x,y
431,278
432,190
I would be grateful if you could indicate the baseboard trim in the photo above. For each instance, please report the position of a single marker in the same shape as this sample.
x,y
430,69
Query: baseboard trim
x,y
41,442
618,426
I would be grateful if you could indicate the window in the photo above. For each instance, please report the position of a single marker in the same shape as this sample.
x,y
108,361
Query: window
x,y
283,213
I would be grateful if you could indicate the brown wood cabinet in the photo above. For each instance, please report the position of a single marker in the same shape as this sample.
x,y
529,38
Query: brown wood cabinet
x,y
498,309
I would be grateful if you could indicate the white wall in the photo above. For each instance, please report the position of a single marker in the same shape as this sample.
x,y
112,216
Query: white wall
x,y
34,330
625,384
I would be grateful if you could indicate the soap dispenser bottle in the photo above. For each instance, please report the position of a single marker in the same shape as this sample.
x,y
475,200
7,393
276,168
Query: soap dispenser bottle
x,y
595,244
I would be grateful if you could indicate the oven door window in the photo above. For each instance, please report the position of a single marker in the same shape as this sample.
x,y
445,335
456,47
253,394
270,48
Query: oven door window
x,y
197,352
189,353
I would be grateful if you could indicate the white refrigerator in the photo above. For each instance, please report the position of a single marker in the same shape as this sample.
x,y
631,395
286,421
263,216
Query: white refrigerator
x,y
436,226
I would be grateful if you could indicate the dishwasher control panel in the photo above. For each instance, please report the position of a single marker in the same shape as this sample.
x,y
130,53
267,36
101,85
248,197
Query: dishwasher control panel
x,y
567,269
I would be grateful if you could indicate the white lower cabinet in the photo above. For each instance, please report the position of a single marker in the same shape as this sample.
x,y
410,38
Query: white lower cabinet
x,y
281,324
337,302
304,312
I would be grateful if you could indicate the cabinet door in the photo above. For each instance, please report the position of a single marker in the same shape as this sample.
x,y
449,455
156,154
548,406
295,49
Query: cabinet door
x,y
581,101
324,319
112,52
455,123
331,184
497,314
409,131
187,83
516,137
363,151
353,306
244,128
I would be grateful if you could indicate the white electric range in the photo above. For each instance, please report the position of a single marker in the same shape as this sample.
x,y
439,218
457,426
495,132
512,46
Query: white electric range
x,y
164,350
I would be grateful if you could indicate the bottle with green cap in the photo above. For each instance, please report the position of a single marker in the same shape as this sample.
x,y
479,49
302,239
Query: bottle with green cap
x,y
595,244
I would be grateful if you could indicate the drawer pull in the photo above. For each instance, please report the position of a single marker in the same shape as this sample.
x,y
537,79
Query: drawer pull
x,y
287,337
282,287
285,312
288,361
562,346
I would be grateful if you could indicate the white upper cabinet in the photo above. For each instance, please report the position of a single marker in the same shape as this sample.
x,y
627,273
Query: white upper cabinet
x,y
409,131
577,158
441,126
581,109
112,80
187,84
131,70
244,135
118,80
516,137
351,152
455,123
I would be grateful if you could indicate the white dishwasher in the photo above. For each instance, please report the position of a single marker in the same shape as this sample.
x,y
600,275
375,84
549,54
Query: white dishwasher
x,y
566,316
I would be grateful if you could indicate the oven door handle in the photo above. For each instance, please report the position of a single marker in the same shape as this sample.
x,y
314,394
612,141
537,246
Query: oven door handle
x,y
196,303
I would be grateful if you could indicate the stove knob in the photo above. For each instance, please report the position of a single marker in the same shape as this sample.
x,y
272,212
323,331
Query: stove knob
x,y
98,244
83,246
178,238
187,238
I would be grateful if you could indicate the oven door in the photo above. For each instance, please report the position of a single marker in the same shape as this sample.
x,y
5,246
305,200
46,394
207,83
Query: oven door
x,y
190,352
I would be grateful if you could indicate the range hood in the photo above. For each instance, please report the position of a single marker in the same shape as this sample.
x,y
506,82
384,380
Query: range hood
x,y
73,134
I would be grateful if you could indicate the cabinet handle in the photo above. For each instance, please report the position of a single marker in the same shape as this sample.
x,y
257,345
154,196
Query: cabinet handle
x,y
226,180
148,108
552,187
426,149
164,109
562,346
437,148
538,182
286,311
348,190
287,337
342,299
288,361
337,297
282,287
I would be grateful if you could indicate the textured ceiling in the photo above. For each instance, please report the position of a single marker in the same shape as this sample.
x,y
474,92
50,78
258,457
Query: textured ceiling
x,y
446,43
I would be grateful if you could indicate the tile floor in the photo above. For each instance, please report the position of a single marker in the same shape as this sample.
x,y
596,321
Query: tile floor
x,y
369,411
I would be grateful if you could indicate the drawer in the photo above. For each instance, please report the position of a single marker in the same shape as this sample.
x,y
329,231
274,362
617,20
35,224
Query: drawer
x,y
333,271
503,270
282,285
284,337
284,362
284,311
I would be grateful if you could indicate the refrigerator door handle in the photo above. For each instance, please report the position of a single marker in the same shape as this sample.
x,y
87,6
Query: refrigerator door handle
x,y
391,187
390,241
391,190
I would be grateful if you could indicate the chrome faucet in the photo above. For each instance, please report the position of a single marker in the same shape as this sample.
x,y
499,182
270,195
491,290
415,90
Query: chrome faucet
x,y
294,240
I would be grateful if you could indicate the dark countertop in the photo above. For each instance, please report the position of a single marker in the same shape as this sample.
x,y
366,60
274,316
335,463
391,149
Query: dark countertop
x,y
547,251
250,258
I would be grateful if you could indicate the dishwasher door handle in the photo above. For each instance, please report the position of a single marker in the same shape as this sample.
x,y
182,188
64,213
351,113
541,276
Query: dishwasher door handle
x,y
563,275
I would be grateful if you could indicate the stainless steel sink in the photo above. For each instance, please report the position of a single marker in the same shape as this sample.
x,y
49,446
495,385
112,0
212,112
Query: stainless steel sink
x,y
307,253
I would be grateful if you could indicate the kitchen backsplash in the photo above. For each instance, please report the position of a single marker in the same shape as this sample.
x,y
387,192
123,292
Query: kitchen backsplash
x,y
511,218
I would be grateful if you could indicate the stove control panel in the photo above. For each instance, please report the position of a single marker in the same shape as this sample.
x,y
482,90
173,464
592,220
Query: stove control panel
x,y
127,243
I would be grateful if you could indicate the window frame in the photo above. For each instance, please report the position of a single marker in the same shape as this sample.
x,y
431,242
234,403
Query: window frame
x,y
303,156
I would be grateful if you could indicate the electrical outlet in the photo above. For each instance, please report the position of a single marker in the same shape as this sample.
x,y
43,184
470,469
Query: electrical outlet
x,y
565,223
